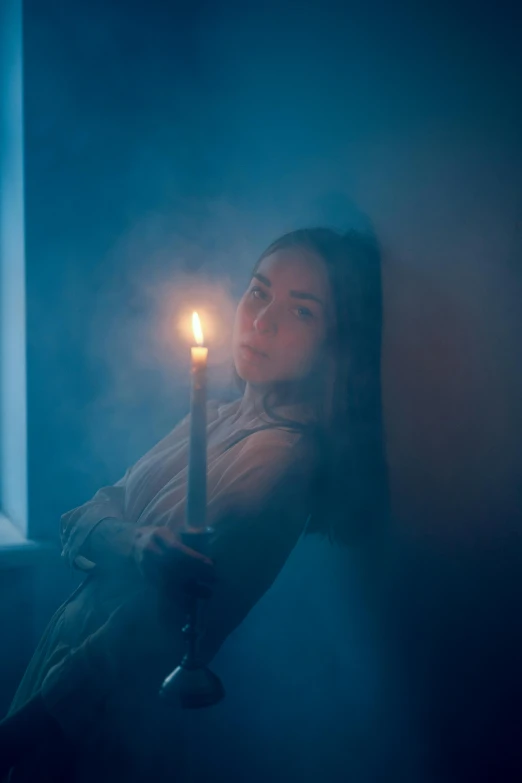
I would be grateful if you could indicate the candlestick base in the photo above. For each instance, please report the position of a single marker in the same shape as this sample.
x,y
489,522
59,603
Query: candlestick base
x,y
192,685
192,688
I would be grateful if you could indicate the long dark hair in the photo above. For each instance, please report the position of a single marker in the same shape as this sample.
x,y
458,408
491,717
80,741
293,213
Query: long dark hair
x,y
351,487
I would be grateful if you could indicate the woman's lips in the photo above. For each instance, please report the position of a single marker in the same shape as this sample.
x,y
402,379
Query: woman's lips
x,y
252,353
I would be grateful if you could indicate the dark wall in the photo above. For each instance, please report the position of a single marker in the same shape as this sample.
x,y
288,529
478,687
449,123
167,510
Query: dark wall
x,y
165,141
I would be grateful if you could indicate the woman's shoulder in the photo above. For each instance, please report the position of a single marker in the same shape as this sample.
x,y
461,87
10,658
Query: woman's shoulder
x,y
257,441
287,448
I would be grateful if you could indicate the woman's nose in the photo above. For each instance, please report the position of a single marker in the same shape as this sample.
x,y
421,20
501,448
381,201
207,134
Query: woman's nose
x,y
265,322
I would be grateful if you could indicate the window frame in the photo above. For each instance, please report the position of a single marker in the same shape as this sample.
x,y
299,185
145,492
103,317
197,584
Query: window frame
x,y
14,512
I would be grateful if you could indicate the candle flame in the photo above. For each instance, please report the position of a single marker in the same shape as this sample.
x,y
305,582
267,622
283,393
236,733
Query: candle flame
x,y
196,328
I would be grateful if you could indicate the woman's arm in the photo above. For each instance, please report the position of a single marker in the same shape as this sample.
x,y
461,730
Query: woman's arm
x,y
96,534
96,530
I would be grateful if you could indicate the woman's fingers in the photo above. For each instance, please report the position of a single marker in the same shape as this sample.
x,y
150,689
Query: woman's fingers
x,y
163,537
161,555
186,550
168,541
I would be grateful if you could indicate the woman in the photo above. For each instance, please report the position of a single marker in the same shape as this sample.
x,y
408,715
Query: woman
x,y
302,448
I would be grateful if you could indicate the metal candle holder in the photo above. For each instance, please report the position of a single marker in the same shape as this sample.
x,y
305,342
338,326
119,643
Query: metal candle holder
x,y
192,684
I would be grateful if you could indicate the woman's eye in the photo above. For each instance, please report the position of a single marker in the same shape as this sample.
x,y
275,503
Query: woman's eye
x,y
257,293
303,312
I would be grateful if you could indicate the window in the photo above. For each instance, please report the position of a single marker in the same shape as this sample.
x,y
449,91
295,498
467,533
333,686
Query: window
x,y
13,429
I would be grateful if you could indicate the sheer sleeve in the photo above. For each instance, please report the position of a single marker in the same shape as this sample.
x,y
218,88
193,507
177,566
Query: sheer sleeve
x,y
107,507
104,516
97,532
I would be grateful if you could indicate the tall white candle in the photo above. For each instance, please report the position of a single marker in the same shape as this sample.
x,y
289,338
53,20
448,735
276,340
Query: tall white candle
x,y
197,472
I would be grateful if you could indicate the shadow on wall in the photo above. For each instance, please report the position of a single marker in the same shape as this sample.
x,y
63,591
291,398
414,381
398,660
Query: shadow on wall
x,y
452,400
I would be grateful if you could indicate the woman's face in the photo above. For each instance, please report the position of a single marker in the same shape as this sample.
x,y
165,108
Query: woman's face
x,y
282,320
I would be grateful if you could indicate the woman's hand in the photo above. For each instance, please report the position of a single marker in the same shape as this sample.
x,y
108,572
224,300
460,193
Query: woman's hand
x,y
161,557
